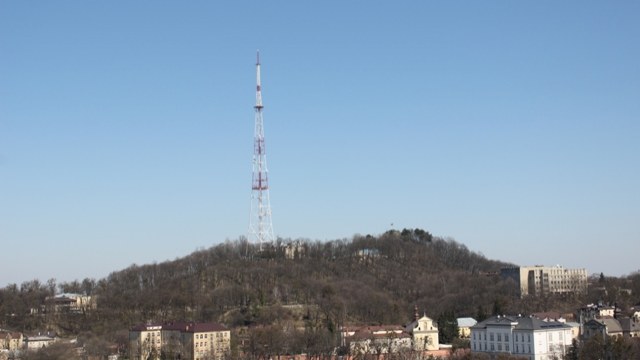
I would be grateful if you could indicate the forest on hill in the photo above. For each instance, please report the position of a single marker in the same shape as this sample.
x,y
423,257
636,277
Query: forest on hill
x,y
322,285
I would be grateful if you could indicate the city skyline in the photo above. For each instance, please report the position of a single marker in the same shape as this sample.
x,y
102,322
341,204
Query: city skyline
x,y
126,128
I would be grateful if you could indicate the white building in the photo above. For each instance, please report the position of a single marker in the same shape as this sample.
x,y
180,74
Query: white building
x,y
424,333
39,341
543,280
186,340
527,337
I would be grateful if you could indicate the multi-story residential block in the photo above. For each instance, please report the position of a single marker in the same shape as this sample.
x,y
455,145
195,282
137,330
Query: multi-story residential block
x,y
543,280
526,337
198,341
145,341
10,340
183,340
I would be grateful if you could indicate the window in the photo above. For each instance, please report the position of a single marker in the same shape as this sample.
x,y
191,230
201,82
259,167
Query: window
x,y
492,347
499,347
506,347
491,337
506,337
499,337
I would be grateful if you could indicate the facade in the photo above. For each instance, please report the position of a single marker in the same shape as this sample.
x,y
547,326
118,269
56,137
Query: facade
x,y
420,335
10,341
145,341
464,326
184,340
630,326
38,342
376,340
527,337
198,341
543,280
69,302
603,326
424,334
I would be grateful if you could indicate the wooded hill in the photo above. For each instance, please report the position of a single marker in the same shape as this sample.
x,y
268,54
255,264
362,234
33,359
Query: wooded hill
x,y
363,280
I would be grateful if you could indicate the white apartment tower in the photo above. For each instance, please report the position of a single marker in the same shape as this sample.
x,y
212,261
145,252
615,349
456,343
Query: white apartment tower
x,y
543,280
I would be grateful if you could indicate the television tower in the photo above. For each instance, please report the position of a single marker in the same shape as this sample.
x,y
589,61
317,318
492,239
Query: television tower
x,y
260,225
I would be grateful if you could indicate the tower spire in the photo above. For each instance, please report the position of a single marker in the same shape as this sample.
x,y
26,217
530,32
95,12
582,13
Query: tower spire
x,y
260,225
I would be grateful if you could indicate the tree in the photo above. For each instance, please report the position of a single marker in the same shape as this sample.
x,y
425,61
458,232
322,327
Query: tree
x,y
447,327
573,351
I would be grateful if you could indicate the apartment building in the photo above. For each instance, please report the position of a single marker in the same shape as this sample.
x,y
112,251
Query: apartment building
x,y
526,337
181,340
145,341
543,280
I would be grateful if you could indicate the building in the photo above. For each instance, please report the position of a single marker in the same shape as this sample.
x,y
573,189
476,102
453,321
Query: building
x,y
39,341
184,340
375,340
603,326
145,341
526,337
464,326
543,280
69,302
424,334
10,340
197,340
630,326
420,335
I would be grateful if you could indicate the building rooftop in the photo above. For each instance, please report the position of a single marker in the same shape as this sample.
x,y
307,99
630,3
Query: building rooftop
x,y
466,322
519,323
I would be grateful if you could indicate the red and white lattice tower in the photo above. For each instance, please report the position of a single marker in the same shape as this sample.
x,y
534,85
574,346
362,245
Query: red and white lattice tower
x,y
260,225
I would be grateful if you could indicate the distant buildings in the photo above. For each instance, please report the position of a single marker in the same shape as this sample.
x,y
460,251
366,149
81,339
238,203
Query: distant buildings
x,y
420,335
543,280
38,342
528,337
183,340
10,340
606,320
464,326
70,303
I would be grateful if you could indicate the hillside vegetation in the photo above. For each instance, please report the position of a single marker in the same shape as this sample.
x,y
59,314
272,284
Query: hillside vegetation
x,y
317,285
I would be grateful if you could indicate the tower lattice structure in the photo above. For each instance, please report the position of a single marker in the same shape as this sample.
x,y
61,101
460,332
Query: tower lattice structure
x,y
260,224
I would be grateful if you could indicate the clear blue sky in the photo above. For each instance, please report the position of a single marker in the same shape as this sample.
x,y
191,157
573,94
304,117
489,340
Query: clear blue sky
x,y
126,127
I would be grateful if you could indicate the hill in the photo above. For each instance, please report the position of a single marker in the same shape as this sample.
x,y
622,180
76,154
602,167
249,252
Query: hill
x,y
368,279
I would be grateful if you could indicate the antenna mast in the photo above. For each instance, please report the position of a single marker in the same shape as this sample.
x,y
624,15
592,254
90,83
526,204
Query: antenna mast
x,y
260,225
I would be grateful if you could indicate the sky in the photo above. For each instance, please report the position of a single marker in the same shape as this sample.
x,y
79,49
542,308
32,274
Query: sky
x,y
126,128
